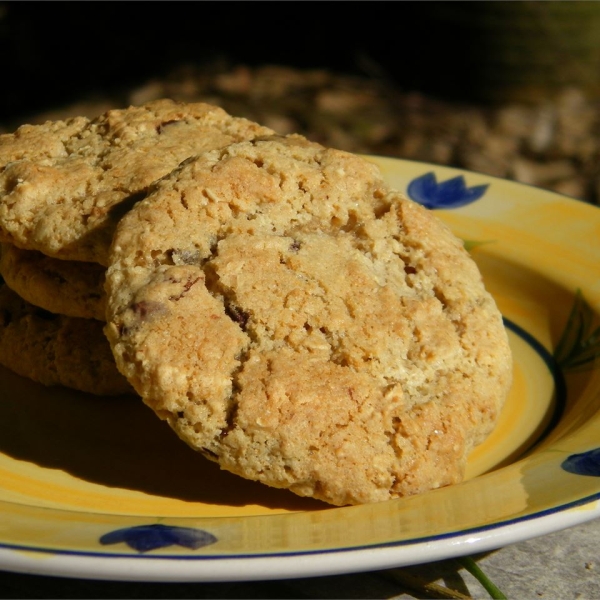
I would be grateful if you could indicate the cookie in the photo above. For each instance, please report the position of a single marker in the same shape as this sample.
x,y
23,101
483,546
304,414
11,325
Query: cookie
x,y
64,184
56,350
64,287
303,325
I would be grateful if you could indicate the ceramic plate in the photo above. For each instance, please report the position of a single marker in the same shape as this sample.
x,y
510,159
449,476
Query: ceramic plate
x,y
96,487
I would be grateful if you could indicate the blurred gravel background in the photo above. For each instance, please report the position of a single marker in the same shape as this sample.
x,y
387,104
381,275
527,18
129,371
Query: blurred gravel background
x,y
375,81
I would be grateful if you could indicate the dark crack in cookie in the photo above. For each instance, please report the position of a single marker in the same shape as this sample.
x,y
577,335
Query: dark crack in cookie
x,y
303,325
65,184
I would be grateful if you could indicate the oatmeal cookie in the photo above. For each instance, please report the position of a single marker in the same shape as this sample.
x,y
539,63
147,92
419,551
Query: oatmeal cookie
x,y
64,184
303,325
56,350
65,287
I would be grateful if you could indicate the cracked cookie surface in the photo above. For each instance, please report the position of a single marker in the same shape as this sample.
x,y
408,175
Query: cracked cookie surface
x,y
303,325
65,184
65,287
56,350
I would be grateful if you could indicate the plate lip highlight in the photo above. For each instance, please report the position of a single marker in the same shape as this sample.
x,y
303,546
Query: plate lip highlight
x,y
470,531
118,567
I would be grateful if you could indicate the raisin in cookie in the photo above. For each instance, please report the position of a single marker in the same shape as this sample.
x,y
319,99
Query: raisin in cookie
x,y
56,350
64,184
65,287
305,326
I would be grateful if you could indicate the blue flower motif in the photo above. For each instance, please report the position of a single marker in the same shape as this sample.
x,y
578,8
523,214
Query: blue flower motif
x,y
451,193
578,348
149,537
586,463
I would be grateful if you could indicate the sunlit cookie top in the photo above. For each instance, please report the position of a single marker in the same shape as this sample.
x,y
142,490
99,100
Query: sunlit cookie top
x,y
65,184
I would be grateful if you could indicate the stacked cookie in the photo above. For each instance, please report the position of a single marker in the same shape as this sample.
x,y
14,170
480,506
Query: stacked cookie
x,y
63,188
290,316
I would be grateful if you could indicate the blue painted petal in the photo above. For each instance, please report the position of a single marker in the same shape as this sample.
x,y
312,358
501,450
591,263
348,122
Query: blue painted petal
x,y
586,463
144,538
451,193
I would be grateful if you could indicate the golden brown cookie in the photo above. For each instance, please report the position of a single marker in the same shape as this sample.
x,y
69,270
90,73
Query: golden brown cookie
x,y
56,350
65,184
303,325
65,287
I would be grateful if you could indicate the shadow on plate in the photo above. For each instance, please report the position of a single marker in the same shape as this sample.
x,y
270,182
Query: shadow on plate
x,y
119,442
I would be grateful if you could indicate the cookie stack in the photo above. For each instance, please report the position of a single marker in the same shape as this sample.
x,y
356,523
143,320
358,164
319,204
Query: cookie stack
x,y
42,336
63,186
288,314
